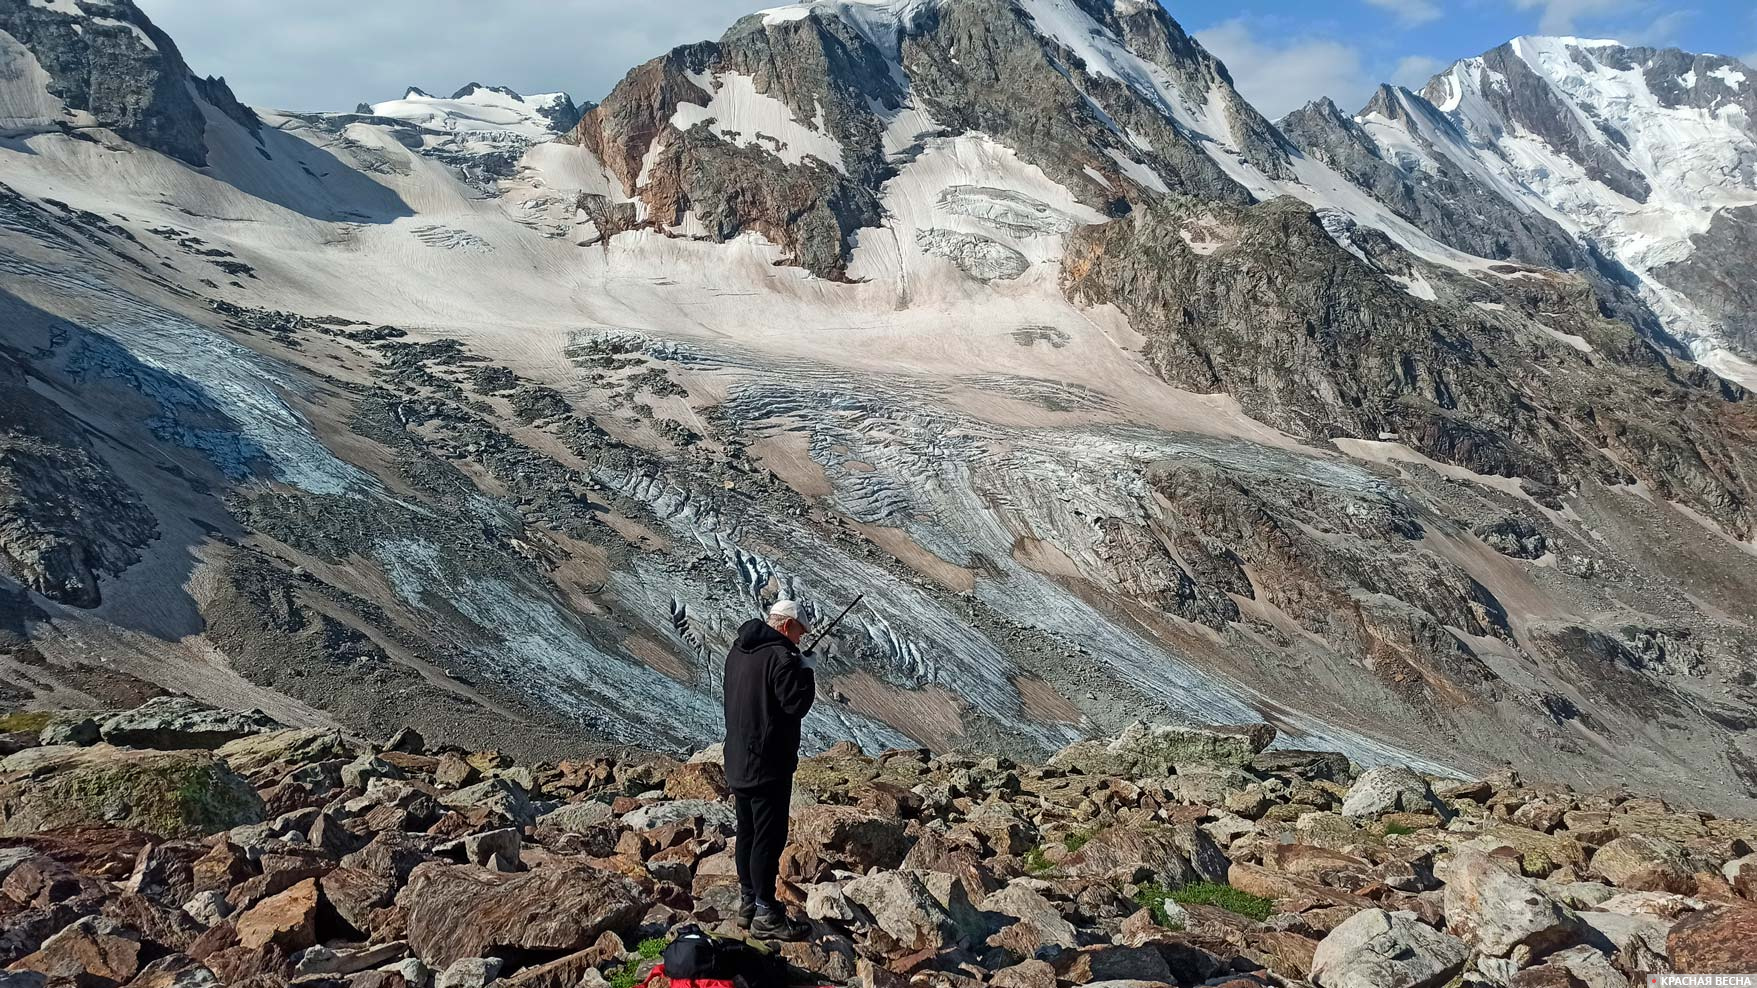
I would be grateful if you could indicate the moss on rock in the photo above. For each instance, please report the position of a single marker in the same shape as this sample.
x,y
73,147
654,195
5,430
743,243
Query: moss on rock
x,y
169,793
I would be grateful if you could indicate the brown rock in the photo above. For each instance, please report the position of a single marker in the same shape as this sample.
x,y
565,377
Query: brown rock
x,y
1715,941
850,837
41,881
354,893
1112,963
241,967
280,872
697,780
457,911
91,953
1650,864
933,851
1288,955
173,971
166,870
1278,885
1029,974
221,868
888,799
453,772
96,852
164,925
288,920
563,972
393,854
1130,851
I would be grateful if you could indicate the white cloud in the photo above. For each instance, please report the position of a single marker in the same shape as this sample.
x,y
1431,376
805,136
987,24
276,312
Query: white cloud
x,y
332,54
1410,13
1415,71
1566,16
1282,75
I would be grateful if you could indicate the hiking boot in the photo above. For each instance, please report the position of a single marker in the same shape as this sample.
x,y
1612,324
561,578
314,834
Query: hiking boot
x,y
777,925
746,915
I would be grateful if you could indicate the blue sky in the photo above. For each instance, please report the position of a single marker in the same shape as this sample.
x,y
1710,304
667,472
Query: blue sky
x,y
1283,52
332,54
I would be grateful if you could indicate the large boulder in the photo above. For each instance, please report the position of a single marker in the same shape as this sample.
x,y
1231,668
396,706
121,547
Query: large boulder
x,y
168,793
1490,906
500,796
906,909
1379,949
711,814
577,817
287,920
285,749
1650,864
459,911
850,837
1048,925
1143,750
177,722
92,951
1716,941
1389,789
1129,851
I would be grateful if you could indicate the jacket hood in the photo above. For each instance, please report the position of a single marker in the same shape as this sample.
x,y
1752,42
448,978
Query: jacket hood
x,y
756,633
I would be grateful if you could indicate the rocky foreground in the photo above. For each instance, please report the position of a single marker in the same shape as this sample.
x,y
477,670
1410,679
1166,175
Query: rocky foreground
x,y
177,845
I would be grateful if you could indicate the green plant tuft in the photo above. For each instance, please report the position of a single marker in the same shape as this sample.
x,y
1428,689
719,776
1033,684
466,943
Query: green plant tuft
x,y
1397,830
1076,840
651,948
1152,897
1036,862
25,720
1226,897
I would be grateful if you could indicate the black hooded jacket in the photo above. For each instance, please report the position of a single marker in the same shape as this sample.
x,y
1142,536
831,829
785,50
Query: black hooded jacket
x,y
768,691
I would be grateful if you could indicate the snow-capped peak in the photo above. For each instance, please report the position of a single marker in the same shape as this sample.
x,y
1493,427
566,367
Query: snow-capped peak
x,y
488,112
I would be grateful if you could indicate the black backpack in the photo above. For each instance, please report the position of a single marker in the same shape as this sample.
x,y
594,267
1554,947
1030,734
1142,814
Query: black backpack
x,y
693,955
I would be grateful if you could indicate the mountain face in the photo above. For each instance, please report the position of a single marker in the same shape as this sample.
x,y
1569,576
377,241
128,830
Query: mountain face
x,y
1547,148
104,65
1113,398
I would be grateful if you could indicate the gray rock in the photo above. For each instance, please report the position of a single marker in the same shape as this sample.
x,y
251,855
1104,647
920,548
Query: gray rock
x,y
413,971
982,258
496,849
825,902
1497,911
83,731
469,972
1388,789
208,908
360,772
902,905
348,960
714,754
176,722
714,814
1143,750
577,817
1638,942
1379,949
1027,906
500,795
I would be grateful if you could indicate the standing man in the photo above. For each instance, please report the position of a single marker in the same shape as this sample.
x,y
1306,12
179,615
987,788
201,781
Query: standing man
x,y
769,688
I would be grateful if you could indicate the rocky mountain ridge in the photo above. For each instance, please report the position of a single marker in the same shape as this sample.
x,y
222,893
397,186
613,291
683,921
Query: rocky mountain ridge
x,y
1113,398
1570,153
1159,857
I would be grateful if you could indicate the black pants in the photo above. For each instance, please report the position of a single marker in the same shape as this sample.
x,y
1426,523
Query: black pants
x,y
762,834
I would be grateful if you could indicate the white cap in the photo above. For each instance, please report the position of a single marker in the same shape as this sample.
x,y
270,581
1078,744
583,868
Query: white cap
x,y
786,609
